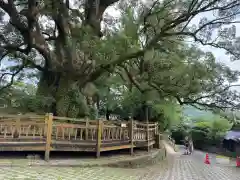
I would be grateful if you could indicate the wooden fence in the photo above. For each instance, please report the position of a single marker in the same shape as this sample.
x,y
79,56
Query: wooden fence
x,y
51,133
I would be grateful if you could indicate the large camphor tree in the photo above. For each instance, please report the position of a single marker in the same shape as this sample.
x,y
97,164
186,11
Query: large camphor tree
x,y
75,45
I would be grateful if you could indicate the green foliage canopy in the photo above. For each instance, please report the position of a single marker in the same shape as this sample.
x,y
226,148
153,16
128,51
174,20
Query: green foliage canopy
x,y
138,59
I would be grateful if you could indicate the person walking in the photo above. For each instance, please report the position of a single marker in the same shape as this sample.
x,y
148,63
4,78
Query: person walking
x,y
191,146
187,144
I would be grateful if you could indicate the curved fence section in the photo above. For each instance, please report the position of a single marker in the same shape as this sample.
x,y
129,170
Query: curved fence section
x,y
52,133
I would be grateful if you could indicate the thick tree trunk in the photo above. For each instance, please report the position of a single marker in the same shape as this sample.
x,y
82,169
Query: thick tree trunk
x,y
142,113
108,113
48,87
59,88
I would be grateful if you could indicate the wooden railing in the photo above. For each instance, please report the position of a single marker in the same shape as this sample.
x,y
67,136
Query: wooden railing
x,y
51,133
22,127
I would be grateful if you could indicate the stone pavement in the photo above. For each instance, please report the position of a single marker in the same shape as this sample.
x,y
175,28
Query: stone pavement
x,y
182,168
177,167
122,159
188,168
63,173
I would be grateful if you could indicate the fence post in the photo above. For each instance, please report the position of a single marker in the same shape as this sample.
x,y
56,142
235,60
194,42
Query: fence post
x,y
86,128
46,123
158,141
49,136
99,137
147,122
156,128
148,148
131,135
17,133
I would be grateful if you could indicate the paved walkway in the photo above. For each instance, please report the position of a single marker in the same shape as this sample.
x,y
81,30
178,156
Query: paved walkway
x,y
178,167
190,169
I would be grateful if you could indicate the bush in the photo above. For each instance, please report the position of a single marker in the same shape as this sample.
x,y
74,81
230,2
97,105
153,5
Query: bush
x,y
210,132
178,136
199,137
179,132
205,131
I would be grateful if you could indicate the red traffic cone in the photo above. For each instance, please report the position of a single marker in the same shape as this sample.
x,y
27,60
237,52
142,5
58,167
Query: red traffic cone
x,y
238,161
207,161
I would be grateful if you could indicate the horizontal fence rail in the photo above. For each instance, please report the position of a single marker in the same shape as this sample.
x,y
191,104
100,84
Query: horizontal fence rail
x,y
52,133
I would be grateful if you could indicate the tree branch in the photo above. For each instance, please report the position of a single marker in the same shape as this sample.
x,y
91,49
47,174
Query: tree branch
x,y
13,75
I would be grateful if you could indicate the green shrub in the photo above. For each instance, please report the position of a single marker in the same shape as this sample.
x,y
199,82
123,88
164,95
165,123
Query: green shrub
x,y
205,131
210,132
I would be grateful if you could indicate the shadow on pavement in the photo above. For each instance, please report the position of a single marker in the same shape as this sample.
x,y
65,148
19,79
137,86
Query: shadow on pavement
x,y
67,155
